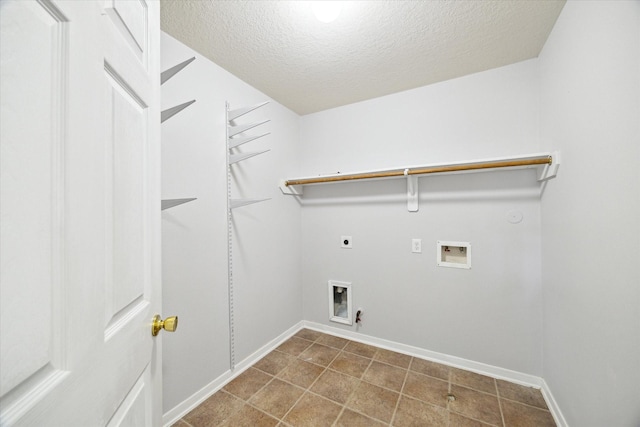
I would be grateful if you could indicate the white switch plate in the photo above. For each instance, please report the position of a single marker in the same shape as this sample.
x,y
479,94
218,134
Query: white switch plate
x,y
416,246
346,242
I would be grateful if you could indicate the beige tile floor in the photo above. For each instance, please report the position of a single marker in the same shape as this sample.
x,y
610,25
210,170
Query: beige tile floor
x,y
315,379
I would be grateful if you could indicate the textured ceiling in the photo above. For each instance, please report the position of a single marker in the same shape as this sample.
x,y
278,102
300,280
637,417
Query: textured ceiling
x,y
374,48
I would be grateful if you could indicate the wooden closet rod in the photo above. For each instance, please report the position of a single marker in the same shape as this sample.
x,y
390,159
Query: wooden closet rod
x,y
542,160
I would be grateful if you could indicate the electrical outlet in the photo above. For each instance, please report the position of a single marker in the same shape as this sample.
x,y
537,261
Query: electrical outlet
x,y
416,246
346,242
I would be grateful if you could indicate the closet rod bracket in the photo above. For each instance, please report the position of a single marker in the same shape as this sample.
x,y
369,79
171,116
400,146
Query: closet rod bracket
x,y
550,170
290,190
412,191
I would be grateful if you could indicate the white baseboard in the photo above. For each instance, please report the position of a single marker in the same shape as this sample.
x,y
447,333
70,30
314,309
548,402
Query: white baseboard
x,y
445,359
553,405
182,409
457,362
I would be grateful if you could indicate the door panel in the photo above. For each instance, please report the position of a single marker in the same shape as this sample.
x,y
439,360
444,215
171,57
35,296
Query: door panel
x,y
130,18
134,409
126,124
30,258
80,206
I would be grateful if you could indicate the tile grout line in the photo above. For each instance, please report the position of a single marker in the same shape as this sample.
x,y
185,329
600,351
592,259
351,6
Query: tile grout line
x,y
246,402
451,384
369,416
384,387
263,411
254,406
391,364
475,419
448,406
308,389
474,389
499,402
361,380
328,368
344,405
404,381
273,377
525,404
341,412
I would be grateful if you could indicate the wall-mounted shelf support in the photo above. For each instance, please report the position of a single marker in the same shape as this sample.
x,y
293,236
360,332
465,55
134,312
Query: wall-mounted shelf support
x,y
235,130
237,203
167,74
234,114
236,142
170,112
233,140
235,158
548,162
170,203
166,115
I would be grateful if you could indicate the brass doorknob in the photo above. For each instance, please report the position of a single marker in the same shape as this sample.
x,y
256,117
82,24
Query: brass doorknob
x,y
170,324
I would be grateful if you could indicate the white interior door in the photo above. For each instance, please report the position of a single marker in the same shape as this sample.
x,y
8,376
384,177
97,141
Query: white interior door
x,y
80,213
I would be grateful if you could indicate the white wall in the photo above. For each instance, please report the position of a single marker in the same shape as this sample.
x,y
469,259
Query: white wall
x,y
266,235
556,295
491,313
590,81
